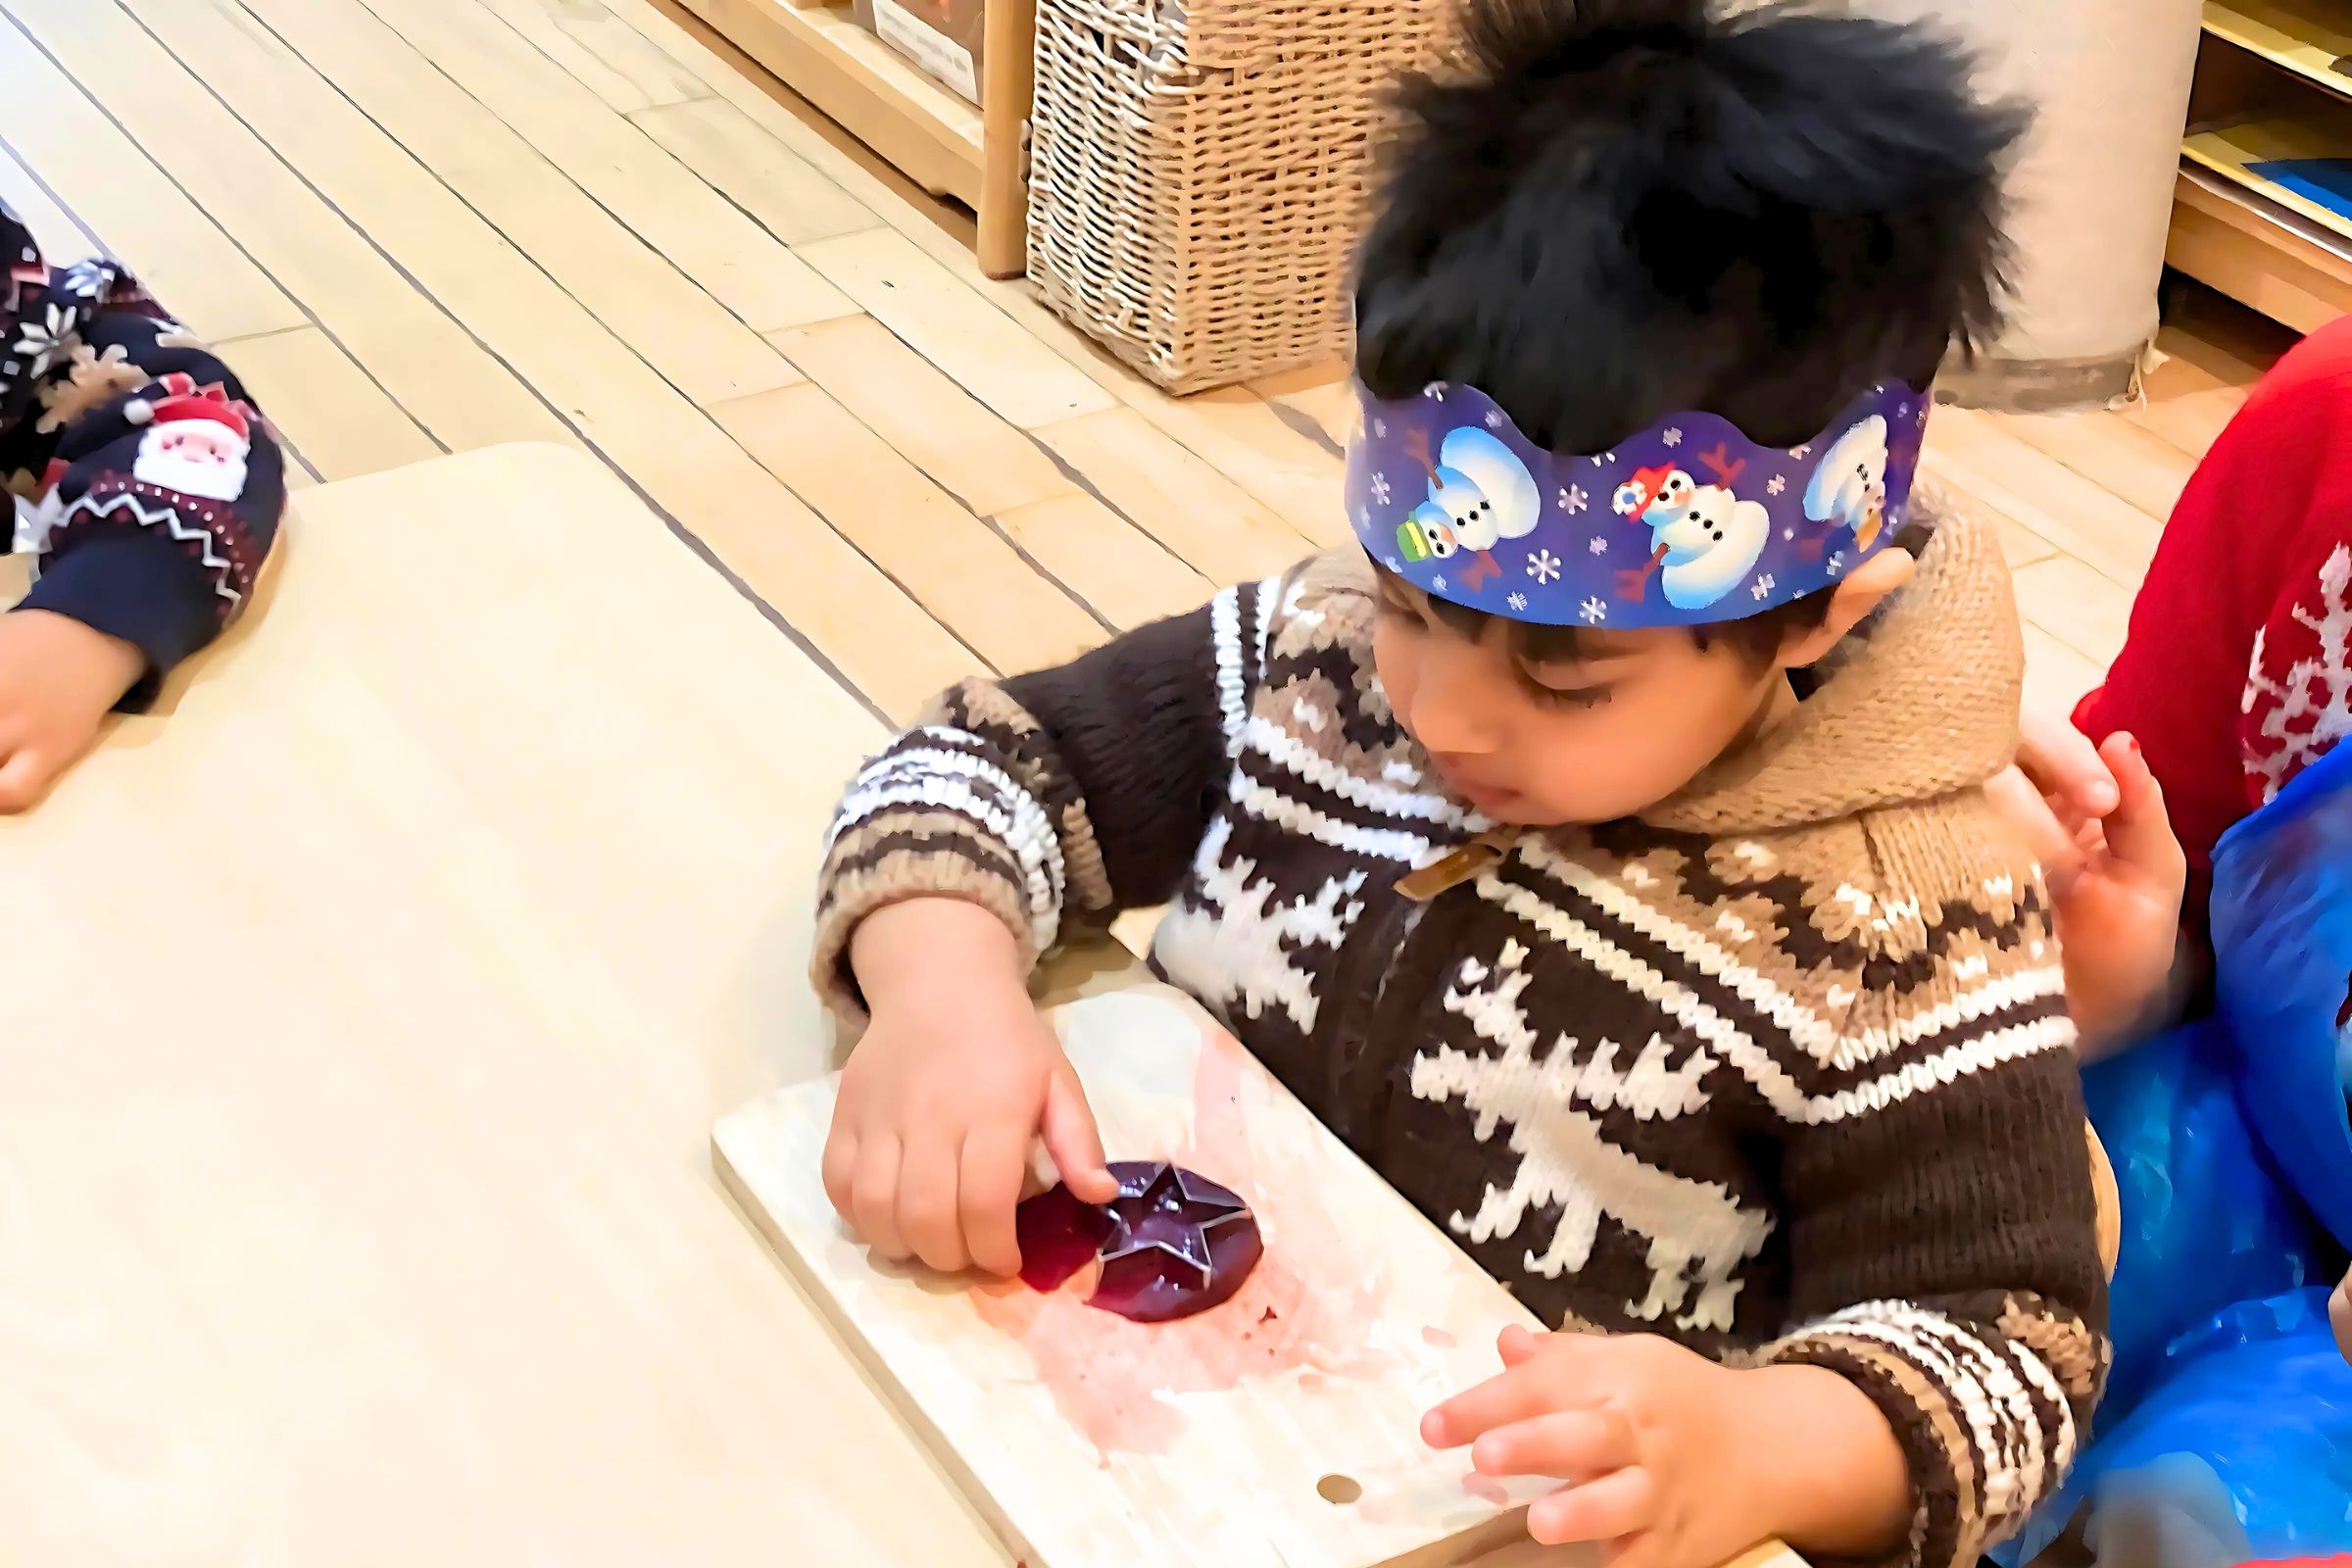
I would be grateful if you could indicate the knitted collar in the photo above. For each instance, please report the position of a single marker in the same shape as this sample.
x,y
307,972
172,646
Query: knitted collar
x,y
1919,703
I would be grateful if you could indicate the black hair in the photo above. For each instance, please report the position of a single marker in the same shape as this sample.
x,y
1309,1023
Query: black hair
x,y
1625,209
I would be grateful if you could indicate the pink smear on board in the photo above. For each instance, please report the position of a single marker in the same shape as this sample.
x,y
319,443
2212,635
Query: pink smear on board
x,y
1439,1337
1485,1489
1309,1303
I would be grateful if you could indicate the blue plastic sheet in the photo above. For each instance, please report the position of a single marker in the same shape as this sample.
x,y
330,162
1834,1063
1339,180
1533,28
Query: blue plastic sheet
x,y
2227,1432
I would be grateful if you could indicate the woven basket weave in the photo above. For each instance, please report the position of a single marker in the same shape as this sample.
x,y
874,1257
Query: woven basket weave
x,y
1197,173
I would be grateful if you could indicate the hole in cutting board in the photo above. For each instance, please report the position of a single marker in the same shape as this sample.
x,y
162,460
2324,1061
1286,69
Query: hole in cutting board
x,y
1340,1489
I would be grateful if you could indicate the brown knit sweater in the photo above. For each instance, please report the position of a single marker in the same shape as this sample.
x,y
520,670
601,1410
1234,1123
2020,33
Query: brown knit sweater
x,y
1779,1069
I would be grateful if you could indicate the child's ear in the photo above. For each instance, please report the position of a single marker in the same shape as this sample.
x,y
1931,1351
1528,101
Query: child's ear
x,y
1854,598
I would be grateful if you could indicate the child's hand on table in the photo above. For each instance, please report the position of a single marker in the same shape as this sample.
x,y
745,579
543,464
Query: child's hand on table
x,y
1676,1462
957,1077
2094,818
59,679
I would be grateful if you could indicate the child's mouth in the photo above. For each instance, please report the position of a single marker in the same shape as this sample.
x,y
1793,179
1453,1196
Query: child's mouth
x,y
1489,798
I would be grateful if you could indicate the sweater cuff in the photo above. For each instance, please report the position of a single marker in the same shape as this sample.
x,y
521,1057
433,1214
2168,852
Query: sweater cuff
x,y
1984,1441
935,816
896,855
138,587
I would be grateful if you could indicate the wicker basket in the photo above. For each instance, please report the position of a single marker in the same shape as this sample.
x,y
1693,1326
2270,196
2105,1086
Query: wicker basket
x,y
1197,173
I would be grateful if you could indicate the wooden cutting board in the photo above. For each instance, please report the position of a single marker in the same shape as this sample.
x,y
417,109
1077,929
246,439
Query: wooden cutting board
x,y
1276,1430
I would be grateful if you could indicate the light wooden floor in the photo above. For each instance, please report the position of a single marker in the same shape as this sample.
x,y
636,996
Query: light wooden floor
x,y
427,226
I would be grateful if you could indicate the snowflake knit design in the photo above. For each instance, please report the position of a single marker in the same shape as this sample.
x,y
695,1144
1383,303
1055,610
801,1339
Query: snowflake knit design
x,y
2306,708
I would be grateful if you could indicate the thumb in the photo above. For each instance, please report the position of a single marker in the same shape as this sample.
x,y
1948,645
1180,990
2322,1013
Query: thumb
x,y
2138,833
2070,771
24,779
1072,1141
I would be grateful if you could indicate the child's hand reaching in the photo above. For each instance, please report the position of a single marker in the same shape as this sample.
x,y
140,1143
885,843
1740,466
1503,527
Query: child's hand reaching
x,y
59,679
2094,818
1675,1461
957,1077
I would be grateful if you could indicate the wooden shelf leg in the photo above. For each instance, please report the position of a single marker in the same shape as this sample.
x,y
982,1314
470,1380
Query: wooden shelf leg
x,y
1008,86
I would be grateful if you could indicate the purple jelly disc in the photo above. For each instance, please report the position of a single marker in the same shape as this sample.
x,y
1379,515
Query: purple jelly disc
x,y
1058,1234
1173,1242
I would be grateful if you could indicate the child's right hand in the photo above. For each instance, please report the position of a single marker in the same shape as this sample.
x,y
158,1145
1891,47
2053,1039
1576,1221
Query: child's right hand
x,y
59,679
941,1102
2093,818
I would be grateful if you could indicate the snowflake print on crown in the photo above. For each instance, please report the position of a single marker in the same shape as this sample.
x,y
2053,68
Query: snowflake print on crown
x,y
1688,522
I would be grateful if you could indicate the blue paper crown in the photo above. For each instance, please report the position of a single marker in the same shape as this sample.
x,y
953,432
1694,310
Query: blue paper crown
x,y
1686,523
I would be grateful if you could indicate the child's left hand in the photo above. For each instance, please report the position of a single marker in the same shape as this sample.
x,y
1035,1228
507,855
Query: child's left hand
x,y
59,679
1672,1460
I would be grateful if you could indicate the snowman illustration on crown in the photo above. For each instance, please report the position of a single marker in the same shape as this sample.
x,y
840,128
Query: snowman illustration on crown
x,y
1478,494
1848,490
197,439
1704,539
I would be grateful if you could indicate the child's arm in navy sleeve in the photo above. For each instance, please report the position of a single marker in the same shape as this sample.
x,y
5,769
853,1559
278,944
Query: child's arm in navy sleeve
x,y
159,485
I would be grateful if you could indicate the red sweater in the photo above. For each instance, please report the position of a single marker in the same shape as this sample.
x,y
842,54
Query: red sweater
x,y
2238,667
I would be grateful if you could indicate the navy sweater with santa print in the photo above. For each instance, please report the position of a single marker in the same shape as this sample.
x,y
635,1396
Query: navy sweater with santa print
x,y
149,488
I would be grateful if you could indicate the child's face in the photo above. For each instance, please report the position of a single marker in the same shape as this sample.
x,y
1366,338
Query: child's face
x,y
1538,745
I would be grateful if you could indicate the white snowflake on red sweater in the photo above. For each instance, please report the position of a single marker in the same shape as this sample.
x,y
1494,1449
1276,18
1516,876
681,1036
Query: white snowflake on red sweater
x,y
2306,708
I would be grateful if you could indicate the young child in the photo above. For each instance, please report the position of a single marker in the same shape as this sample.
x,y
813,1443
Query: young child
x,y
1602,848
148,490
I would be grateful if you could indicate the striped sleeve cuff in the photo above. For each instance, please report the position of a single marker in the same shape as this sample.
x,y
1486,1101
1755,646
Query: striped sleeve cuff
x,y
935,816
1986,1412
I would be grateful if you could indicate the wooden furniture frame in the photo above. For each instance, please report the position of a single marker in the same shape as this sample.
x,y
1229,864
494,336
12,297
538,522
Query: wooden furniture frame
x,y
976,155
2272,80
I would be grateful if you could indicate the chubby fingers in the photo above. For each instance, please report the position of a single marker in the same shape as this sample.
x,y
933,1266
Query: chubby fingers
x,y
25,775
2138,832
1621,1504
874,1196
930,1211
1541,1382
996,1161
1575,1445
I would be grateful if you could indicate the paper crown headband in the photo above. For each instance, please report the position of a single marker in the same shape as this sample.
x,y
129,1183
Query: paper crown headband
x,y
1687,523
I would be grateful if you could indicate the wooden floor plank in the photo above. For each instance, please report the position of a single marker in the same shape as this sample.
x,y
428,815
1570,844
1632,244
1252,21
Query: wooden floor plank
x,y
735,259
2021,545
955,565
1270,458
137,214
886,645
956,328
2014,481
1248,440
756,171
966,449
1324,394
1128,579
339,418
57,232
1176,496
2056,675
430,365
649,304
2082,608
2211,350
2124,458
602,53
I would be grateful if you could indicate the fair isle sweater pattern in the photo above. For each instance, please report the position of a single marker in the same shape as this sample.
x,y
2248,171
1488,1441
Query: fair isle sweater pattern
x,y
1781,1071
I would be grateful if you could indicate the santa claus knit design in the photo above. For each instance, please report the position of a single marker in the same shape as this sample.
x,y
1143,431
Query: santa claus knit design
x,y
1781,1071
